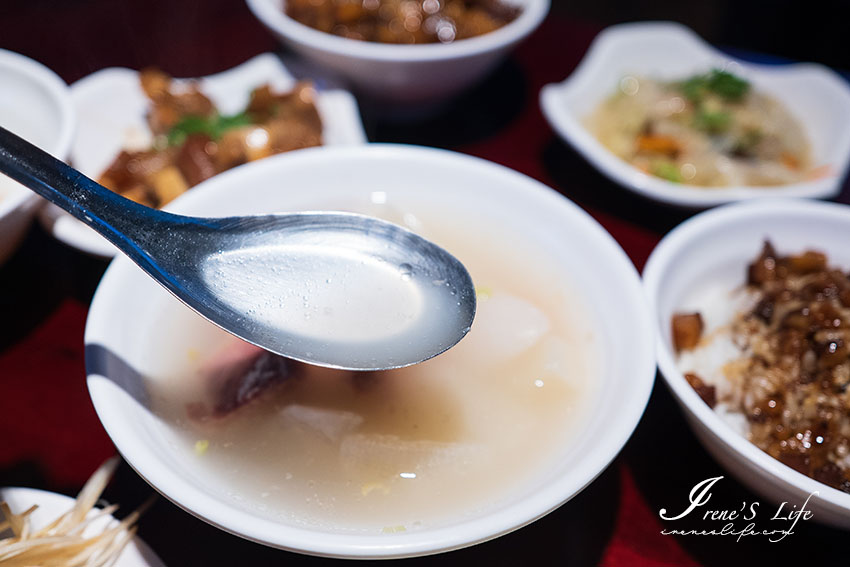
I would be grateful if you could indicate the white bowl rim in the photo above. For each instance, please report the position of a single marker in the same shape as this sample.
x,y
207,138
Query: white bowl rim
x,y
678,194
699,227
144,460
532,14
60,94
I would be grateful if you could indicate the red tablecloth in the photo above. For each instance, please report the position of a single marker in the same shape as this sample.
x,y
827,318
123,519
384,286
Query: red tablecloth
x,y
52,439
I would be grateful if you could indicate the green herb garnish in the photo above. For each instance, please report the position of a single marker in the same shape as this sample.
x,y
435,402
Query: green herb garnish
x,y
721,83
213,126
728,85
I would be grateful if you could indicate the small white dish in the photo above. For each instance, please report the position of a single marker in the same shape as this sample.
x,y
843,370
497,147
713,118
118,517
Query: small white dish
x,y
111,107
411,76
51,505
36,105
815,95
128,307
710,252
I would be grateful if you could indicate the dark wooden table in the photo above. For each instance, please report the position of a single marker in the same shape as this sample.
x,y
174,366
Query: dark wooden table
x,y
51,437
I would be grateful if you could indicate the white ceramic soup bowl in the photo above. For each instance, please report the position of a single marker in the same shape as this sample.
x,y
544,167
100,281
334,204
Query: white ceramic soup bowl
x,y
711,251
412,75
128,305
34,104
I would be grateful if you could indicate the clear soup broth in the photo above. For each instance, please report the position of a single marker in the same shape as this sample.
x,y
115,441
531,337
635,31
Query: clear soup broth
x,y
400,450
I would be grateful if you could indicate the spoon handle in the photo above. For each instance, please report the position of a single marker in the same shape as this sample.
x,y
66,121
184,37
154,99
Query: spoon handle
x,y
123,222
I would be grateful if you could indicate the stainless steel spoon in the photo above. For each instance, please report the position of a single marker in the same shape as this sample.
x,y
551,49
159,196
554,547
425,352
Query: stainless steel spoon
x,y
333,289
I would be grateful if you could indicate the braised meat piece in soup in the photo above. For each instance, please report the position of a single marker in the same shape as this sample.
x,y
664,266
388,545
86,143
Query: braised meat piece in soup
x,y
238,377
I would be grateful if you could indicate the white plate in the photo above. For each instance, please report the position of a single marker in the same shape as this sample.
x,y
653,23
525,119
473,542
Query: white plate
x,y
36,105
814,94
710,253
51,505
111,108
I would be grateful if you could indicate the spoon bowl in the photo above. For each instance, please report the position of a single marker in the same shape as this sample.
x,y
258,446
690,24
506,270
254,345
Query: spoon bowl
x,y
333,289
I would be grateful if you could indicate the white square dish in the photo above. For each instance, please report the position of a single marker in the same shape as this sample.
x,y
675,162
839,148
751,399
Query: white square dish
x,y
815,95
111,106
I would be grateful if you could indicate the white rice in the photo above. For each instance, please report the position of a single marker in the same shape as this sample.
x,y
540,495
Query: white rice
x,y
718,307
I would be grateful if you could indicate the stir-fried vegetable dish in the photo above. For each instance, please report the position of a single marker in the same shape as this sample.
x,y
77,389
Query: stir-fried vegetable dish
x,y
712,129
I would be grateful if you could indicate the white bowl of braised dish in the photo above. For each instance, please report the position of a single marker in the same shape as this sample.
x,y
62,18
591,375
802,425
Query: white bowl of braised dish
x,y
34,104
151,137
411,54
516,419
664,114
753,303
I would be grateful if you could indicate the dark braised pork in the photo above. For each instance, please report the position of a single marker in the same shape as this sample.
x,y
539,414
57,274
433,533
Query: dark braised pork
x,y
239,377
792,381
193,141
403,21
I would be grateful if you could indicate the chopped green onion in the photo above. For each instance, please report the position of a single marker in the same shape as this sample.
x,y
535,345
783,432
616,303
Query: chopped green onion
x,y
721,83
694,88
213,126
201,446
483,293
727,85
393,529
666,170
